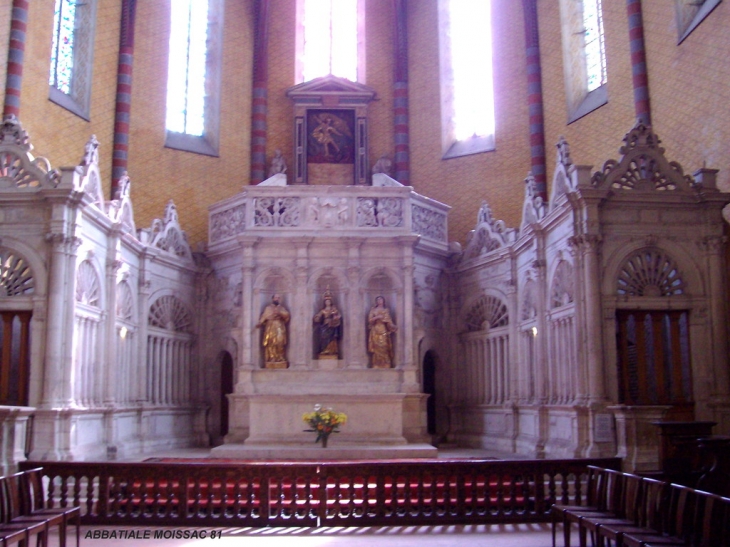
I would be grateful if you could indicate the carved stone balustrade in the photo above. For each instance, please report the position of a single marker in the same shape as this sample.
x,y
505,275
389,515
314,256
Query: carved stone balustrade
x,y
345,210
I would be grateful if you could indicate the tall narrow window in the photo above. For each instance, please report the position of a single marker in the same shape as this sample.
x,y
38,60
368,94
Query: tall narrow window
x,y
329,39
584,56
467,90
72,55
193,76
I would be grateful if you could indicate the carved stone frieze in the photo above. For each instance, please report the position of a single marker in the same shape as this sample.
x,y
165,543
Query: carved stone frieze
x,y
277,211
488,235
429,223
228,223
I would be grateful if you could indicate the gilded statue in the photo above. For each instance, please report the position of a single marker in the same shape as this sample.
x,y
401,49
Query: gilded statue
x,y
328,329
380,328
274,320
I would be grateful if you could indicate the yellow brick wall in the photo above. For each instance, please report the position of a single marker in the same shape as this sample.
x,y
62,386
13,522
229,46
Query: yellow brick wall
x,y
55,132
194,181
690,88
493,176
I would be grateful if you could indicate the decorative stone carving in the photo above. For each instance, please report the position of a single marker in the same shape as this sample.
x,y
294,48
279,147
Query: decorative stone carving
x,y
533,209
125,302
488,235
16,278
562,287
120,208
18,168
167,235
366,212
488,312
649,272
642,166
529,301
88,288
278,164
428,223
169,313
384,166
328,212
277,211
228,223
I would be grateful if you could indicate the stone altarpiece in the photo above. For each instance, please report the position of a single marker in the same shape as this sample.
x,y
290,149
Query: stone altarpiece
x,y
340,236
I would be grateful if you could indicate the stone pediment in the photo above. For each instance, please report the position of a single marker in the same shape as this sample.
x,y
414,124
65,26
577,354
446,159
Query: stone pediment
x,y
329,91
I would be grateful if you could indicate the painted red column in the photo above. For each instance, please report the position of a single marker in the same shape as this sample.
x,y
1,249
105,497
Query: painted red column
x,y
534,96
639,74
260,91
400,95
16,54
123,105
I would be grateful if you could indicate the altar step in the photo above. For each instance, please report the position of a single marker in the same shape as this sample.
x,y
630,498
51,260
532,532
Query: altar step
x,y
315,452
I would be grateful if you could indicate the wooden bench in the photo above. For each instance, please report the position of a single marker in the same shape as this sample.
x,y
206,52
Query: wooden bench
x,y
23,514
626,510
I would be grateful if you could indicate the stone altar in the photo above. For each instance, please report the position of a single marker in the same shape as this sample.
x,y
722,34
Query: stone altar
x,y
300,242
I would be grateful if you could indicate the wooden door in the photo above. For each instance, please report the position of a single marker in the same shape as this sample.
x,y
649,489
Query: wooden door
x,y
654,360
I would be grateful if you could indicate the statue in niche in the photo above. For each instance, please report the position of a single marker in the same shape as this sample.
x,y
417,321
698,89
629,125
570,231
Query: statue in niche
x,y
380,327
278,164
274,320
328,330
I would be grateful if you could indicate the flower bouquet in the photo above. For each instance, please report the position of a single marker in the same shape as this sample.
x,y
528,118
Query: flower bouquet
x,y
323,421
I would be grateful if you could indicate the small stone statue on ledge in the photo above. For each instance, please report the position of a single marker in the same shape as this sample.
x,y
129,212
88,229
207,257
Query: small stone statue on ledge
x,y
380,327
384,165
328,330
278,164
273,320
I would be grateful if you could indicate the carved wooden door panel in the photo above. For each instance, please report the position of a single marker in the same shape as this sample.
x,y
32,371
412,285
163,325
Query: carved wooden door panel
x,y
654,360
14,357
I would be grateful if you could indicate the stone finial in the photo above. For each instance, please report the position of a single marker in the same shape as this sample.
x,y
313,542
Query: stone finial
x,y
13,133
564,152
91,152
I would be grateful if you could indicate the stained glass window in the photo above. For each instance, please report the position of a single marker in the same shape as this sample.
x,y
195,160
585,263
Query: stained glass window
x,y
187,67
467,90
192,116
595,49
330,39
62,54
471,40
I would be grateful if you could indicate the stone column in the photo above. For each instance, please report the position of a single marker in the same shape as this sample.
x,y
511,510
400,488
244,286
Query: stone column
x,y
249,263
400,93
260,91
714,248
299,341
57,389
534,96
589,247
16,55
411,379
109,332
639,73
356,351
123,105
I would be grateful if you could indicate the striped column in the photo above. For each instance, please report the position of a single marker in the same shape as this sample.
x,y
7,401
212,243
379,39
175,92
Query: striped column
x,y
123,105
639,75
400,95
16,53
260,91
534,97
